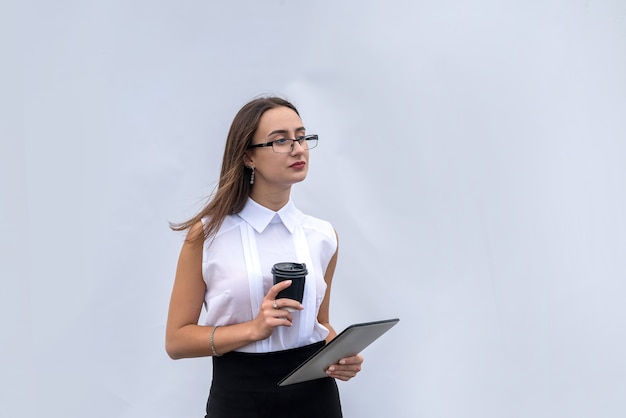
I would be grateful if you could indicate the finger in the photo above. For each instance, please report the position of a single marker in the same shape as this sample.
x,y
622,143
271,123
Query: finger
x,y
346,368
274,290
275,316
352,368
281,322
287,304
343,378
282,314
343,373
276,311
351,360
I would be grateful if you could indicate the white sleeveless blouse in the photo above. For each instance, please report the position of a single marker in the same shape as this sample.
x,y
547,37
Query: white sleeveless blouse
x,y
237,263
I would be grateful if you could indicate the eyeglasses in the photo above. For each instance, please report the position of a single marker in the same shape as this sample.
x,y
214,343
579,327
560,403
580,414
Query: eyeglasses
x,y
285,145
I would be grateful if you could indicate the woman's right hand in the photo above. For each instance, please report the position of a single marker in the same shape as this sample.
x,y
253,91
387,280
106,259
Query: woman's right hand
x,y
272,313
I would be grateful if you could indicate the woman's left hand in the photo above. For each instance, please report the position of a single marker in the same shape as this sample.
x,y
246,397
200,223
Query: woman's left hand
x,y
346,368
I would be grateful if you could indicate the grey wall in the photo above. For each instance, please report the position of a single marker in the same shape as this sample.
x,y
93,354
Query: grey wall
x,y
472,159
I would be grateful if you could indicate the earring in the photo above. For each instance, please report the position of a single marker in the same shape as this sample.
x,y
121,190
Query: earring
x,y
252,175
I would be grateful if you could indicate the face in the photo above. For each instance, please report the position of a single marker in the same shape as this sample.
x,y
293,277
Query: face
x,y
272,169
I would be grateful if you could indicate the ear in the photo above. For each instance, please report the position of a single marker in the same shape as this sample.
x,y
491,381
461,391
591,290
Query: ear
x,y
247,160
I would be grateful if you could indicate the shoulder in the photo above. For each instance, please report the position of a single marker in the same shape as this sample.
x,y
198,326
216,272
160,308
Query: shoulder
x,y
318,225
322,238
229,222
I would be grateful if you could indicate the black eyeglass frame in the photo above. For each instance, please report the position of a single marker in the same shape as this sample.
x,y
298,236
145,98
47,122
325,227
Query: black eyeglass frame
x,y
298,140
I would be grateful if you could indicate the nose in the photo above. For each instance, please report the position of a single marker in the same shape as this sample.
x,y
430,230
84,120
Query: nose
x,y
296,148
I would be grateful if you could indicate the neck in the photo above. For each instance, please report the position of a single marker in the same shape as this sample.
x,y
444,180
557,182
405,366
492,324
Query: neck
x,y
273,200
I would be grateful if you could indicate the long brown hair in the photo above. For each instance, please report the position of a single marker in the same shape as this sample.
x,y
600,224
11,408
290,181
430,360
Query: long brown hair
x,y
234,185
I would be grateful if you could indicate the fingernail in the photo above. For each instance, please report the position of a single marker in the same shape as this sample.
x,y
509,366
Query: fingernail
x,y
342,362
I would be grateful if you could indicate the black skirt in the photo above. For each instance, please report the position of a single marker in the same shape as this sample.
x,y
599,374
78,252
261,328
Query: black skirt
x,y
246,385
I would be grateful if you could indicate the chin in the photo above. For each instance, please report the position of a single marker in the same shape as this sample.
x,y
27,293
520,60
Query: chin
x,y
297,180
300,178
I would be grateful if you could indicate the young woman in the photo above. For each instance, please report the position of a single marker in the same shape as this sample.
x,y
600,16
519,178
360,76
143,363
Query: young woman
x,y
225,264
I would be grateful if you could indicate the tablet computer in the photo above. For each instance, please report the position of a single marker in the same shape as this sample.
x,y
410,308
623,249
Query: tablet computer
x,y
347,343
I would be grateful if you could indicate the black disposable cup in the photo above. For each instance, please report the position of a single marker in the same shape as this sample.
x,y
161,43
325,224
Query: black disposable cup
x,y
296,272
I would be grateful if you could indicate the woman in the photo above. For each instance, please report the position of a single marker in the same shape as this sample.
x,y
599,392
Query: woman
x,y
225,263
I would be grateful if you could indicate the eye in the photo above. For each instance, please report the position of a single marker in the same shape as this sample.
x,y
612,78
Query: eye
x,y
300,139
281,141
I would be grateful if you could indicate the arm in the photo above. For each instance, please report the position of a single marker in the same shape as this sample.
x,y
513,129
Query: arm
x,y
347,367
185,338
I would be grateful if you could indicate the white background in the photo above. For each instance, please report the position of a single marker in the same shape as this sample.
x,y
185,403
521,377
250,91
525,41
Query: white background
x,y
472,159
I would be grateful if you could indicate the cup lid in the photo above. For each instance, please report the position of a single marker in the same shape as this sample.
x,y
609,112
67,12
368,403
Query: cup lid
x,y
289,268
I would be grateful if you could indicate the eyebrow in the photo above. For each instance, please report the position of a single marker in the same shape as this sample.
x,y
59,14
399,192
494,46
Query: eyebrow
x,y
284,131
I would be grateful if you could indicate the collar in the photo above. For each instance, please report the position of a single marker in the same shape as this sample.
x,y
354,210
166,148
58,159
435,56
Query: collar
x,y
259,217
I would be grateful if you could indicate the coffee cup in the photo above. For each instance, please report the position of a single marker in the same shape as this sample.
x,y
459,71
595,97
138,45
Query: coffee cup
x,y
296,272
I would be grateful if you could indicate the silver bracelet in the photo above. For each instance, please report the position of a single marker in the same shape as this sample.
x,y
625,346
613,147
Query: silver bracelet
x,y
212,344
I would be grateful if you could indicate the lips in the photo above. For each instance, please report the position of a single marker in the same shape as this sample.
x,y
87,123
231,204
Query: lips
x,y
299,164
